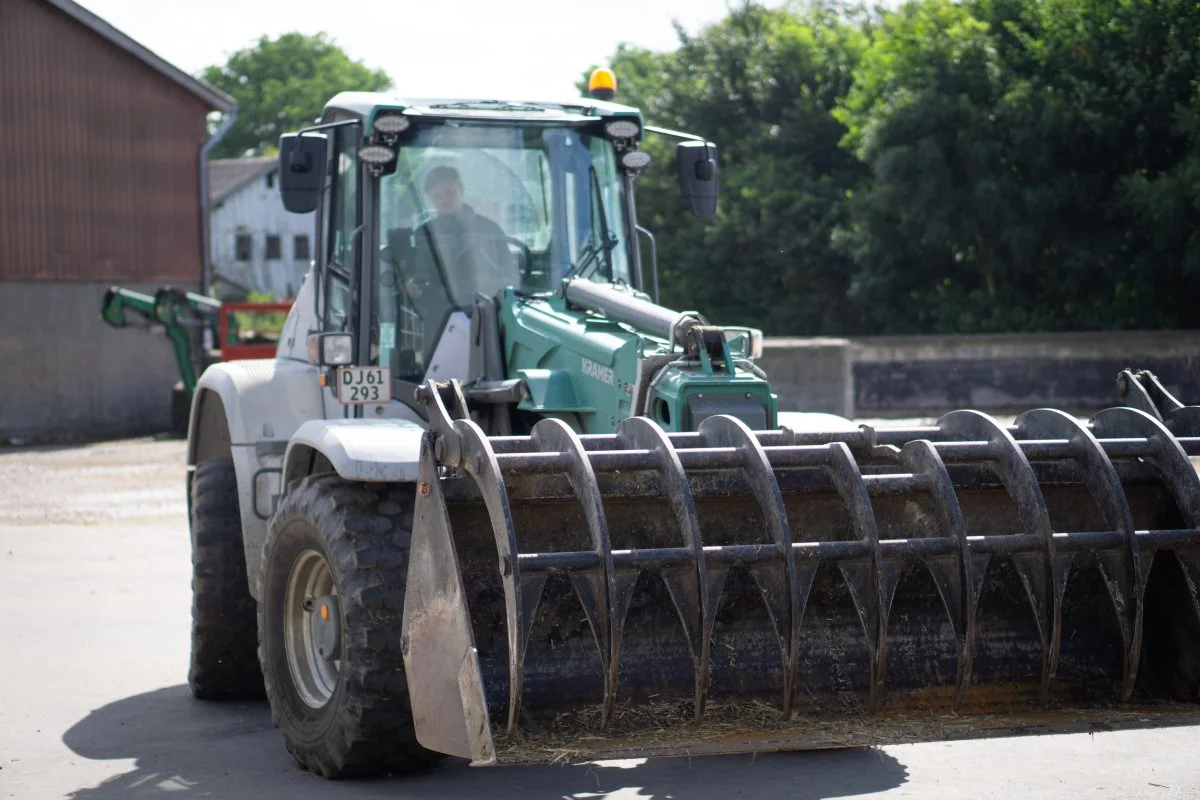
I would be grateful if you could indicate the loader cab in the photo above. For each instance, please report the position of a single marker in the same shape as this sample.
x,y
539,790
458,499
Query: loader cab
x,y
426,207
471,209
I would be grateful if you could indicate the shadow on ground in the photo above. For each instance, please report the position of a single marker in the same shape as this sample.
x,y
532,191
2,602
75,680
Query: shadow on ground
x,y
183,747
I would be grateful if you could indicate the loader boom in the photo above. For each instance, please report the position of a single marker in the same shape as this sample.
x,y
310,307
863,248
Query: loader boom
x,y
597,354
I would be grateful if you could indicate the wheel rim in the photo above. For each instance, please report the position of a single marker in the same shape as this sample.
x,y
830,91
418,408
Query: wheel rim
x,y
314,676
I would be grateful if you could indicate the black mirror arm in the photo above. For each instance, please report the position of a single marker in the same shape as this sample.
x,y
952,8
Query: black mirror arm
x,y
704,169
324,126
690,137
307,157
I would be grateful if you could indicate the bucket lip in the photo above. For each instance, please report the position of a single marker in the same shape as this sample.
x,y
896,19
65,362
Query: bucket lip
x,y
805,732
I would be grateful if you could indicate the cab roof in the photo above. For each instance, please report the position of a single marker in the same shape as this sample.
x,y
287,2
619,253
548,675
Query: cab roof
x,y
578,110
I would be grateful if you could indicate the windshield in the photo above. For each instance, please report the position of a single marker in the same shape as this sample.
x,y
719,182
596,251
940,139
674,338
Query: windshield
x,y
472,209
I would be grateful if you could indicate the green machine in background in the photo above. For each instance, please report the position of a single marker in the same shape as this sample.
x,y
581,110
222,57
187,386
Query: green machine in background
x,y
177,312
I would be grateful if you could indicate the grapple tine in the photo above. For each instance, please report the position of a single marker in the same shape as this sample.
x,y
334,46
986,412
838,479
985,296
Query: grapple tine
x,y
479,461
624,584
1184,421
864,580
830,527
714,579
1190,562
1167,456
957,579
1044,575
786,600
689,584
1125,579
788,609
529,590
595,591
1170,462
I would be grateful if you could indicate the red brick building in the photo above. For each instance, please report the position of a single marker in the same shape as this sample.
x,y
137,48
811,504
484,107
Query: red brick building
x,y
100,183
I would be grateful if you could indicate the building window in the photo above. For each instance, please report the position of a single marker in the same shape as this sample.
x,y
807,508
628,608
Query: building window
x,y
242,247
300,249
274,249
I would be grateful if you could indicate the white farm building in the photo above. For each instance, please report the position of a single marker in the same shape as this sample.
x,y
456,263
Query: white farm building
x,y
255,241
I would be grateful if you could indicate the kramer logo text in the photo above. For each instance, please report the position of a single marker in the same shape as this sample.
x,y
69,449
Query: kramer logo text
x,y
599,372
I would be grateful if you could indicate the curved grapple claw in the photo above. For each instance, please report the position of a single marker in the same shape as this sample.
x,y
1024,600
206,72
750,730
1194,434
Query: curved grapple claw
x,y
647,593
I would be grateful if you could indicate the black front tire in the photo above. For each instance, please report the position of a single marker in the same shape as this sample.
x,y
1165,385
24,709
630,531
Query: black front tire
x,y
362,532
224,661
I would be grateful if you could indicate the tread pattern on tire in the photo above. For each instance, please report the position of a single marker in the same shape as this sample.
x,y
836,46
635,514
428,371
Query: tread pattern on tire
x,y
366,529
224,661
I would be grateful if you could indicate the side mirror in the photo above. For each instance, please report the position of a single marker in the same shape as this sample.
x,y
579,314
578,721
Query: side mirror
x,y
302,162
697,164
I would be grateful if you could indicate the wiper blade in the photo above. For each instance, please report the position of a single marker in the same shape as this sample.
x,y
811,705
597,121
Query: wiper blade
x,y
607,240
592,250
586,256
593,260
589,256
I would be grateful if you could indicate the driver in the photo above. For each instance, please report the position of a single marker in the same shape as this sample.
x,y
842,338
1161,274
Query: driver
x,y
471,248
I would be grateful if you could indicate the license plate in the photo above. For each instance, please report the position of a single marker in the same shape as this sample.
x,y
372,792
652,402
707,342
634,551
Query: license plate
x,y
356,385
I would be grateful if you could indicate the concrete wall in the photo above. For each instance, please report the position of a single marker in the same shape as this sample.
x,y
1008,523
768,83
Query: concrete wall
x,y
1015,372
928,375
811,374
68,376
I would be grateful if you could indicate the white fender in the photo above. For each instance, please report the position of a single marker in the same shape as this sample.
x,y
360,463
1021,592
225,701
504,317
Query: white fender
x,y
262,403
375,450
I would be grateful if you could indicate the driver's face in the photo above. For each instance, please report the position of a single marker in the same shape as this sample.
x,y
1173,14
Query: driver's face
x,y
446,196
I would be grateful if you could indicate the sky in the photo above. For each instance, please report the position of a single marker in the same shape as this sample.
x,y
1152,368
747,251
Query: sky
x,y
531,49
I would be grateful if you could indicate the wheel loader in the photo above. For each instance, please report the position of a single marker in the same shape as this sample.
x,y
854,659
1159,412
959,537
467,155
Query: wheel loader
x,y
491,500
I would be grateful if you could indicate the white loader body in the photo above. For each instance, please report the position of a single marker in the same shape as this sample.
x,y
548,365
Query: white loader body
x,y
275,417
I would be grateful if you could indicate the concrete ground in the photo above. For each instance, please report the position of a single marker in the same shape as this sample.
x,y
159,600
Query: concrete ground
x,y
94,618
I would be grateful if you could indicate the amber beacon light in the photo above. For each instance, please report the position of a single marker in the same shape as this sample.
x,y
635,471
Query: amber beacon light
x,y
603,84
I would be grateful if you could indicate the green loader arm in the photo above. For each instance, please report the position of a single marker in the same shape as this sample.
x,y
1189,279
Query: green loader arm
x,y
169,307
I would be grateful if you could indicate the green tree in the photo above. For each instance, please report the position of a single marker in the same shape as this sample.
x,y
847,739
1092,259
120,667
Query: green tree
x,y
1165,203
1107,87
1031,165
761,85
282,84
933,230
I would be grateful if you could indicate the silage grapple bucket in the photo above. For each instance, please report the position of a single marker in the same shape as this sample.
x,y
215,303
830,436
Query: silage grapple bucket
x,y
646,593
